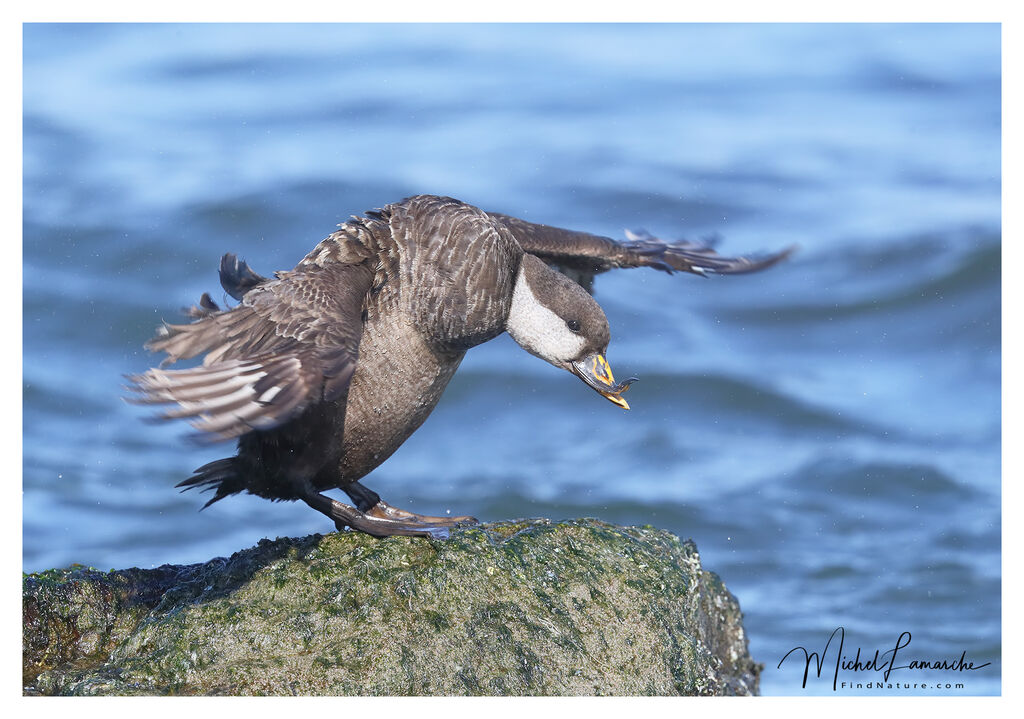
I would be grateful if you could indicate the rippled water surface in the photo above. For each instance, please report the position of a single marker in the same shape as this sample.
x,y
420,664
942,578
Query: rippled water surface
x,y
828,432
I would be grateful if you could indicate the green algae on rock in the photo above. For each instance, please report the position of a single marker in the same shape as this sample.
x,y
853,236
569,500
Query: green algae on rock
x,y
514,608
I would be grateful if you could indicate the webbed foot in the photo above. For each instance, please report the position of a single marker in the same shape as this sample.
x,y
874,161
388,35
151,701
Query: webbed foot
x,y
383,510
383,520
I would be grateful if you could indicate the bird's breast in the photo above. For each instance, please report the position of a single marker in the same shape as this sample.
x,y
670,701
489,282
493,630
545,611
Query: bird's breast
x,y
398,381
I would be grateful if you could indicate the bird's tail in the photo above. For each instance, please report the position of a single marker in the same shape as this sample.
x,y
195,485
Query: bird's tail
x,y
236,277
221,475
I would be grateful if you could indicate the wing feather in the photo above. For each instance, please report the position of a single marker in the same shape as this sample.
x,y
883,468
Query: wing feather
x,y
581,255
292,341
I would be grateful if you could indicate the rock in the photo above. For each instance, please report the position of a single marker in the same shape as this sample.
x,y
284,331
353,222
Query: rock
x,y
515,608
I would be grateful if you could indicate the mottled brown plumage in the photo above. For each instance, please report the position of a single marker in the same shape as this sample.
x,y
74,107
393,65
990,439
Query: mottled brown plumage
x,y
323,371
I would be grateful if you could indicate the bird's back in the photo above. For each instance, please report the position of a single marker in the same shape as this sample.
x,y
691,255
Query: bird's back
x,y
443,285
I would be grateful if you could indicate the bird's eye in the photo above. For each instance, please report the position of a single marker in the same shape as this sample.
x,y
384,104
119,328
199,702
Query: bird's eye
x,y
573,325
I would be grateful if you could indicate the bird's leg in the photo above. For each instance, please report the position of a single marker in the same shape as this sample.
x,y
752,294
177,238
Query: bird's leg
x,y
371,504
347,516
364,497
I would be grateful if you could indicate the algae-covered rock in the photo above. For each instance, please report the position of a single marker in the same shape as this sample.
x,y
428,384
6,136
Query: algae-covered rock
x,y
528,607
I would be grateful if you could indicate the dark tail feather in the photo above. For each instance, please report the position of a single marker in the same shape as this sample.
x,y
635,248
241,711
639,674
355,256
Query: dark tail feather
x,y
205,308
236,277
221,475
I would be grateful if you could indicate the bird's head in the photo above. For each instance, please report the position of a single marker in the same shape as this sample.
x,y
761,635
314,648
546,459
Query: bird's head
x,y
555,319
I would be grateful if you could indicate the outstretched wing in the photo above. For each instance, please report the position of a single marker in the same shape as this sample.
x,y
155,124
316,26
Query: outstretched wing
x,y
581,255
291,342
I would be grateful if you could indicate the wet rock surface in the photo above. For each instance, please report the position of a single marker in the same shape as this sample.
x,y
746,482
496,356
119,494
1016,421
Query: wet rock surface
x,y
514,608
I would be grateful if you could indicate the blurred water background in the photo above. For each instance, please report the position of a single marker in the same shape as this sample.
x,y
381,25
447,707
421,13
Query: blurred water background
x,y
828,432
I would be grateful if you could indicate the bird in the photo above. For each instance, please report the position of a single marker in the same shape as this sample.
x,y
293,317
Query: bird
x,y
321,372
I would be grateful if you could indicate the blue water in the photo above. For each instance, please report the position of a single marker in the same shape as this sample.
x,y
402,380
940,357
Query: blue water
x,y
828,431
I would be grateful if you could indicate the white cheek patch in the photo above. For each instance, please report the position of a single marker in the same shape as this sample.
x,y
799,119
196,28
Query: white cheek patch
x,y
538,330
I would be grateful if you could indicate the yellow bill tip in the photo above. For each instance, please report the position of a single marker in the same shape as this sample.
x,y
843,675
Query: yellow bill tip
x,y
617,399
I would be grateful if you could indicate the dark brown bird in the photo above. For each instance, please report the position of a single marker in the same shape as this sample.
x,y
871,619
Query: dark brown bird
x,y
322,372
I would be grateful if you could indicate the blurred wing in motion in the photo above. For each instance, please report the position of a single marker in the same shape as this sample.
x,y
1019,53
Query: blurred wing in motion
x,y
291,342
